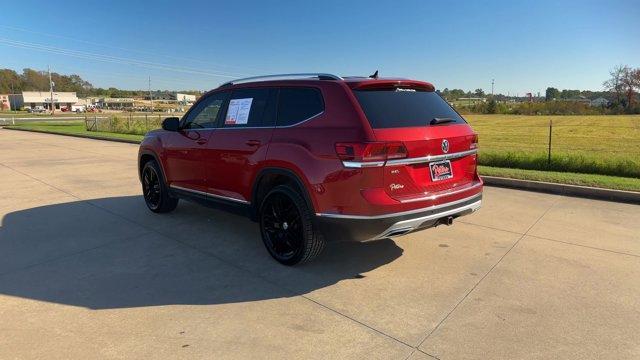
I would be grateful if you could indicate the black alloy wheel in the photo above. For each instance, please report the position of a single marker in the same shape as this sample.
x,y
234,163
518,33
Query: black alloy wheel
x,y
282,227
286,226
151,187
154,190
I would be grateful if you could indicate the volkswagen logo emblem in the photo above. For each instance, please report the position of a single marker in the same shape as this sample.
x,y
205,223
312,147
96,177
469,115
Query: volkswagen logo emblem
x,y
445,146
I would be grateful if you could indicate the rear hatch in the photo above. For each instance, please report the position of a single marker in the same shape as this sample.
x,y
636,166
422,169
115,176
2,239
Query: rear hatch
x,y
440,145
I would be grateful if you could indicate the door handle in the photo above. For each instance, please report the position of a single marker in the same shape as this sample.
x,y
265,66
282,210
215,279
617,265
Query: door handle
x,y
201,141
253,142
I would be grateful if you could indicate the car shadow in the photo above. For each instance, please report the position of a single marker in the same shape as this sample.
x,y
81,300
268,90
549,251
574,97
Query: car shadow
x,y
113,253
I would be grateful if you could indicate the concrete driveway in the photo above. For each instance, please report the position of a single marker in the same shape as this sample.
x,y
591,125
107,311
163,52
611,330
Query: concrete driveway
x,y
87,272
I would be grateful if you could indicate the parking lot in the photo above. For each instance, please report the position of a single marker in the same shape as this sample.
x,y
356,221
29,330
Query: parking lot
x,y
86,271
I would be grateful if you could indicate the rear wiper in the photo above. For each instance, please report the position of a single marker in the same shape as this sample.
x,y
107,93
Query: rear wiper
x,y
438,121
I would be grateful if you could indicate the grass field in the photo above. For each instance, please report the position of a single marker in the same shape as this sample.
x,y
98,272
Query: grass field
x,y
601,151
73,128
598,144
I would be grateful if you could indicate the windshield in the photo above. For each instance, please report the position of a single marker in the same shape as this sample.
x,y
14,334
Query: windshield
x,y
391,108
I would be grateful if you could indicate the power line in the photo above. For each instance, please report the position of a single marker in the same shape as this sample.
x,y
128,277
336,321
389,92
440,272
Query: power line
x,y
128,49
111,59
115,77
150,95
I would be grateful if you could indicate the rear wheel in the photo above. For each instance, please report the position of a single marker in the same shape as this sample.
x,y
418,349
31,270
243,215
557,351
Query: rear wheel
x,y
287,228
155,191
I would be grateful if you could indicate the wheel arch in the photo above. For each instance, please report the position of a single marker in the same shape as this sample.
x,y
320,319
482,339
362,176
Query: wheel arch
x,y
270,177
144,157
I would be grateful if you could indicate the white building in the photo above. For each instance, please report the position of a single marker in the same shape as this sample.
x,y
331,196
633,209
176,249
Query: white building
x,y
185,98
42,99
170,97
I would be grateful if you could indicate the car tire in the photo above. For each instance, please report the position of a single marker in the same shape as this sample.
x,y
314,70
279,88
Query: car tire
x,y
154,189
286,225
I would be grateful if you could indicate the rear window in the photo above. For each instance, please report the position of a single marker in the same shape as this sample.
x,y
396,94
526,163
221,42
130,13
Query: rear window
x,y
404,108
298,104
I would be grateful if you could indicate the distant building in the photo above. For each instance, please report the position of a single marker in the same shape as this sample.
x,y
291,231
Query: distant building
x,y
579,99
115,103
42,99
172,97
5,104
185,98
601,102
82,105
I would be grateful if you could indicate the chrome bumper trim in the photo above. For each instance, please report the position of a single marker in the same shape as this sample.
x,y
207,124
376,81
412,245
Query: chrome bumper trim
x,y
431,158
408,161
409,212
411,224
436,196
362,164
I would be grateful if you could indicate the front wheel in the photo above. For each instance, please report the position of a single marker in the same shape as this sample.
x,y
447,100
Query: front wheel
x,y
154,190
287,227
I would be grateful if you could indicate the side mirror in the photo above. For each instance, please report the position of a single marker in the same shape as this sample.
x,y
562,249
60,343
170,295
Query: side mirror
x,y
171,124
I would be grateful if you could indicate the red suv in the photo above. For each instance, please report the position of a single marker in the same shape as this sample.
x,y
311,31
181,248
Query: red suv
x,y
317,156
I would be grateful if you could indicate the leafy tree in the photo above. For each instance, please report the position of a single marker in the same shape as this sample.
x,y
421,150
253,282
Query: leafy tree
x,y
624,82
33,80
479,93
492,106
9,81
552,94
615,83
569,94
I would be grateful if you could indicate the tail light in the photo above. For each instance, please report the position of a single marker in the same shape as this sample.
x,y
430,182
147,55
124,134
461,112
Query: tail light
x,y
370,151
474,142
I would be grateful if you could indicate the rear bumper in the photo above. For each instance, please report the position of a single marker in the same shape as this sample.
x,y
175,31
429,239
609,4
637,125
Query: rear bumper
x,y
362,228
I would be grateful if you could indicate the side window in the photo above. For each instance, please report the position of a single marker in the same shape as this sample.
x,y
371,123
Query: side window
x,y
205,114
298,104
250,108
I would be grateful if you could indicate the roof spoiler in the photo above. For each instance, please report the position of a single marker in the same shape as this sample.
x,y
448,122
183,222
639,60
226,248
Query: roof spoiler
x,y
380,84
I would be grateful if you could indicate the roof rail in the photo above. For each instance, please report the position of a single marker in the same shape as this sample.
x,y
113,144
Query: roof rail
x,y
320,76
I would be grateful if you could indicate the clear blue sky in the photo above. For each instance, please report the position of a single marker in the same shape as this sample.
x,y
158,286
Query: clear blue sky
x,y
525,45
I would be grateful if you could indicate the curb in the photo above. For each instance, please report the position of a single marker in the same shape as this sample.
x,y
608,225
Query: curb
x,y
94,137
631,197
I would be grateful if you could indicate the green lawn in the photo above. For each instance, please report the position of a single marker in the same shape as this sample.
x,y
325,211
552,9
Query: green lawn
x,y
74,128
593,144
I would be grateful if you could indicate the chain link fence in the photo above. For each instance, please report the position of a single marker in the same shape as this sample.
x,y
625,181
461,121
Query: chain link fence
x,y
126,123
607,145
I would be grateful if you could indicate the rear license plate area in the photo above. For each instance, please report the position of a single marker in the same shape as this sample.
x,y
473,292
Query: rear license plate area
x,y
441,170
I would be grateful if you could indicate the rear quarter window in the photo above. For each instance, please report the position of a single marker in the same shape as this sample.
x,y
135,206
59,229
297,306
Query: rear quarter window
x,y
298,104
391,108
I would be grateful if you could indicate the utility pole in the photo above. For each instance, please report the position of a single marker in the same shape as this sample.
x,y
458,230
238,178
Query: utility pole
x,y
11,107
51,91
492,82
150,95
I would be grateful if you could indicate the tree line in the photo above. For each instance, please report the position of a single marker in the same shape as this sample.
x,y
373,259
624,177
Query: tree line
x,y
551,94
36,80
620,90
